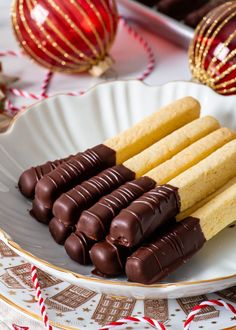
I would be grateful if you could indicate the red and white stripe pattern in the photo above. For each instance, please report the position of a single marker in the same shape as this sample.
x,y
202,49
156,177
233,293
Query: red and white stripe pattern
x,y
10,53
45,84
39,298
22,93
204,304
146,47
155,324
18,327
130,319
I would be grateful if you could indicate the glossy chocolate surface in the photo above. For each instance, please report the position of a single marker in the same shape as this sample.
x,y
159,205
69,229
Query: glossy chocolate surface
x,y
69,206
31,176
95,222
142,217
72,172
40,212
166,252
59,230
108,259
77,247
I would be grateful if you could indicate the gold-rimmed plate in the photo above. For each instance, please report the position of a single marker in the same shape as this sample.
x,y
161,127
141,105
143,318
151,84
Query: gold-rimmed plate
x,y
62,125
71,307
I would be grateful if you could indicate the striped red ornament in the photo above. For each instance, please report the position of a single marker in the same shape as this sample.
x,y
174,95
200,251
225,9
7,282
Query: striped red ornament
x,y
212,53
67,36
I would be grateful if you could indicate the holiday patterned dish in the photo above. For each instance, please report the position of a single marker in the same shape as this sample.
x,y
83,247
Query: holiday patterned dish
x,y
73,307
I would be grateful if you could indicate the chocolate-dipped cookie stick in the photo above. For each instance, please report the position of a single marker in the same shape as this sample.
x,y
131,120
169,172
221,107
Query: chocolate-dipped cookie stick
x,y
117,149
109,259
31,176
95,222
152,262
69,205
143,216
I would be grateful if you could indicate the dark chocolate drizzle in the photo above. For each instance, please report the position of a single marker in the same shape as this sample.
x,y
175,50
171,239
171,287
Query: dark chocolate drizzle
x,y
31,176
95,222
72,172
59,230
69,206
77,247
153,261
143,216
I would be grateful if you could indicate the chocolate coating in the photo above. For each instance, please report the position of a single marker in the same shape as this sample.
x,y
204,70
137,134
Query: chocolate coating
x,y
95,222
72,172
152,262
59,230
69,206
108,259
143,216
31,176
40,212
77,247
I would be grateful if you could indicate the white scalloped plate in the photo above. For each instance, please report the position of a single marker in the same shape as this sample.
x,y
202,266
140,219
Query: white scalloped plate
x,y
62,125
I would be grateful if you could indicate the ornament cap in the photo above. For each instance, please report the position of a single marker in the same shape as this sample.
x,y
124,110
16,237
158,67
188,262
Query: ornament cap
x,y
101,67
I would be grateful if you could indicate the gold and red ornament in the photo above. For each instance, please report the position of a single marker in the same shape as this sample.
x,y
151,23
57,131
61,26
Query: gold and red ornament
x,y
212,53
68,36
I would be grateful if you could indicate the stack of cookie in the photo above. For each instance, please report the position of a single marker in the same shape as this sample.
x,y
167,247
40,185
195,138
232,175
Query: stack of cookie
x,y
144,201
190,12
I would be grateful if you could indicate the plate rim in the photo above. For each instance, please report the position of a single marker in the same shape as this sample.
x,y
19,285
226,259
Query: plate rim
x,y
29,107
41,262
16,247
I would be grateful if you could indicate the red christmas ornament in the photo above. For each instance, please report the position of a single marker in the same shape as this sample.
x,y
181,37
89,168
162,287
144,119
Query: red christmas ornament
x,y
212,53
68,36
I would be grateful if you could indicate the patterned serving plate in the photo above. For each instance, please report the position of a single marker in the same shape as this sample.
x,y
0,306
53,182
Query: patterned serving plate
x,y
63,125
72,307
